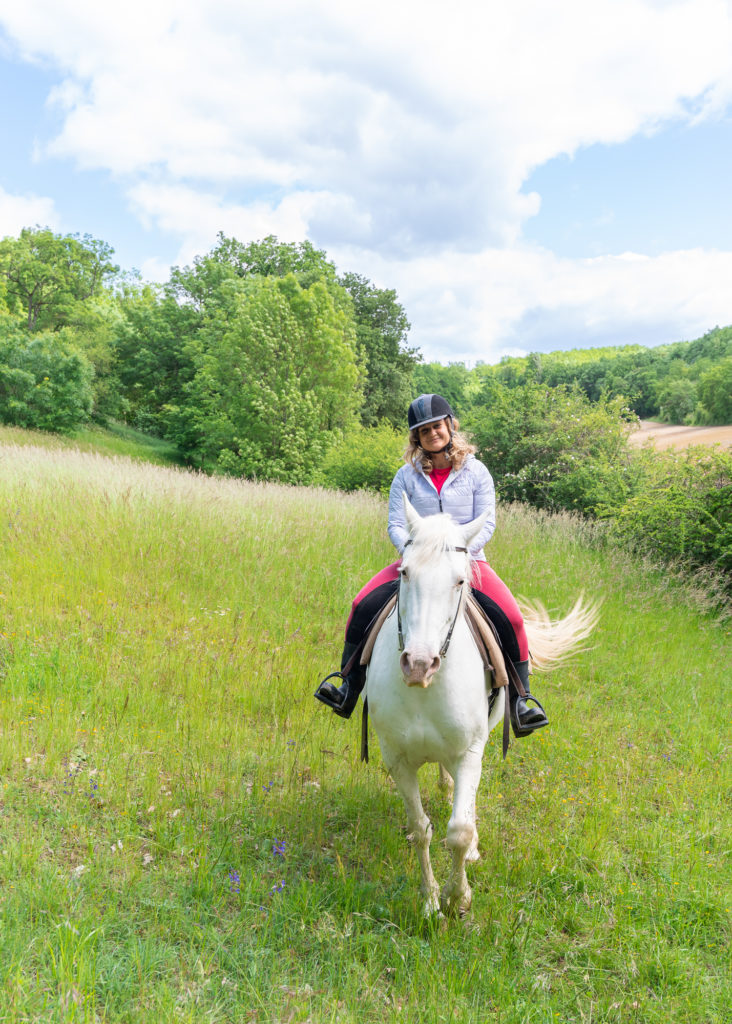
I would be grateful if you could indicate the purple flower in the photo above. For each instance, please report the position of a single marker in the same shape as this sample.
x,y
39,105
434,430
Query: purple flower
x,y
279,848
234,880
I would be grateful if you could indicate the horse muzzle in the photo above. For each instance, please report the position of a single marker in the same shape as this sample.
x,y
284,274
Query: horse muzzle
x,y
418,671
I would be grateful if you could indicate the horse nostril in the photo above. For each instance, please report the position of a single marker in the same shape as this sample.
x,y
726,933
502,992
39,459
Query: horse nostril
x,y
436,662
404,663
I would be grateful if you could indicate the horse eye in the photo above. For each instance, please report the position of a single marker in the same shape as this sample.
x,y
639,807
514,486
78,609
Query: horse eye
x,y
460,583
403,574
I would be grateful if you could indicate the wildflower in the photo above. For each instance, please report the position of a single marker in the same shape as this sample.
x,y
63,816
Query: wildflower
x,y
278,887
234,881
279,848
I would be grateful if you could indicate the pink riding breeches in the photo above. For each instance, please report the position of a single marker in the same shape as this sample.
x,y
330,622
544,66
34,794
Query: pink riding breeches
x,y
484,580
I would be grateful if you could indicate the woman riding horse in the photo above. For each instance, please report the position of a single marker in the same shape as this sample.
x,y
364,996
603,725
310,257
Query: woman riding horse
x,y
440,474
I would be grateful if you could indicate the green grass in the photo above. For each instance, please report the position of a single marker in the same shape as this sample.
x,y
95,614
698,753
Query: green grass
x,y
161,634
115,439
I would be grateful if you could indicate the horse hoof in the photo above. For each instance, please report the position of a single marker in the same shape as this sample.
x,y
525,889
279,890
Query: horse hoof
x,y
457,908
453,907
431,909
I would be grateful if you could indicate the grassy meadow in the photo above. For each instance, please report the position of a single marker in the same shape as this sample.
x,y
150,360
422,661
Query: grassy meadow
x,y
186,835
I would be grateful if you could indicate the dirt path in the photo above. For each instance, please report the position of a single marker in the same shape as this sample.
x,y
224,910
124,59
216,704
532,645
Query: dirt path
x,y
664,436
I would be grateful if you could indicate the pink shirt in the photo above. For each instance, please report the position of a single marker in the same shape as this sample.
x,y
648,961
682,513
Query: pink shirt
x,y
439,476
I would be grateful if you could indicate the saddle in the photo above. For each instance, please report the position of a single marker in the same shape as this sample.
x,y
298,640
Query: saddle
x,y
495,663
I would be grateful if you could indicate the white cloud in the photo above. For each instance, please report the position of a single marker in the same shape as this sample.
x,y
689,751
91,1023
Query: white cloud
x,y
397,136
484,305
429,120
198,216
18,212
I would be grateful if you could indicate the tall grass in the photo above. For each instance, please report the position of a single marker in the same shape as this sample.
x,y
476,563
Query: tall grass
x,y
185,834
114,439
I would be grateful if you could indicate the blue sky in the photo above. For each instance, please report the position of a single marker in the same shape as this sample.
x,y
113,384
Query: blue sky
x,y
651,194
539,177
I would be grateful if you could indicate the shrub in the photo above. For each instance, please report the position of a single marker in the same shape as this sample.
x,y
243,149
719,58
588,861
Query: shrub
x,y
684,509
553,447
364,459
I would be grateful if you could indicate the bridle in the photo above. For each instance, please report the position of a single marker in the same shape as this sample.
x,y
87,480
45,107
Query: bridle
x,y
448,638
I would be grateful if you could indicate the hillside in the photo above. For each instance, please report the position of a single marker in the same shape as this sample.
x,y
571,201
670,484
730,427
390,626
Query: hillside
x,y
188,836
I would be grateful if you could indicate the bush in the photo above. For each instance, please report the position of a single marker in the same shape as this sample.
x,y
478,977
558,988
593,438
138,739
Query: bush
x,y
364,459
45,383
553,447
683,511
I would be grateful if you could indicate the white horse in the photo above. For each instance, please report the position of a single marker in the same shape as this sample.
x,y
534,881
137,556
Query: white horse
x,y
430,705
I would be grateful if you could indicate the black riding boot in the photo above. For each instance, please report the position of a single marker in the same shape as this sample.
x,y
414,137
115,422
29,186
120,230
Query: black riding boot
x,y
343,699
524,719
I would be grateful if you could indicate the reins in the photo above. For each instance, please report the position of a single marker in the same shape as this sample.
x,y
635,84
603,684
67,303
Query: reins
x,y
448,638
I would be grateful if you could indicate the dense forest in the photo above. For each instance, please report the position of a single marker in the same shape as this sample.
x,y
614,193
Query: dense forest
x,y
262,361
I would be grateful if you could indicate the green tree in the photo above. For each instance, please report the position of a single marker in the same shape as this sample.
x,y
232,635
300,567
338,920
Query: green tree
x,y
156,348
274,380
715,393
451,381
48,276
381,330
380,321
45,382
268,257
677,400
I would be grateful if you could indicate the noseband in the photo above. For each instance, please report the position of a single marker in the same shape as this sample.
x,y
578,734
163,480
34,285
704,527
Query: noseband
x,y
448,638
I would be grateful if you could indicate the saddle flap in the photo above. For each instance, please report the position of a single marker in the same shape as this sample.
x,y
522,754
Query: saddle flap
x,y
378,622
482,630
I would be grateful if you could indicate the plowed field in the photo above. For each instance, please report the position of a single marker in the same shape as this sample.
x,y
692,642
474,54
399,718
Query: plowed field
x,y
662,435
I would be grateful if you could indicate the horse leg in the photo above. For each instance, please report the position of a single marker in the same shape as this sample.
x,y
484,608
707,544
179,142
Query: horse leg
x,y
462,835
444,781
446,784
420,830
473,853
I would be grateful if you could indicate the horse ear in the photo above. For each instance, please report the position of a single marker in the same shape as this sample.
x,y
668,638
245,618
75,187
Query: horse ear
x,y
471,530
413,516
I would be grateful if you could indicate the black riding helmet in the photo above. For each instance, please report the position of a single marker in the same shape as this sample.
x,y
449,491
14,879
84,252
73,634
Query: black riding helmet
x,y
429,409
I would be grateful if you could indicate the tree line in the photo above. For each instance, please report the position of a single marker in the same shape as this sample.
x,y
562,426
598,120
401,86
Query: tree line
x,y
251,360
262,361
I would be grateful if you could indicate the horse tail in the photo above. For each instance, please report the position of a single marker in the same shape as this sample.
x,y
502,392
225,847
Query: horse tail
x,y
552,641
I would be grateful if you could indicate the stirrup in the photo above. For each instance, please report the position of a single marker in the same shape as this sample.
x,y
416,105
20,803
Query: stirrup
x,y
518,730
326,694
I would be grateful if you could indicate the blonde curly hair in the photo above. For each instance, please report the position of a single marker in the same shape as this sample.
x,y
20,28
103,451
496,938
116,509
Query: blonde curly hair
x,y
416,455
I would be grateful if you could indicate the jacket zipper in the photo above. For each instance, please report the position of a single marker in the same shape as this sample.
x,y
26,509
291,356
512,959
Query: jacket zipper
x,y
432,483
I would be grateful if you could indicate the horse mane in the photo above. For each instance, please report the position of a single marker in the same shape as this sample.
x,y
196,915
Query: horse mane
x,y
433,537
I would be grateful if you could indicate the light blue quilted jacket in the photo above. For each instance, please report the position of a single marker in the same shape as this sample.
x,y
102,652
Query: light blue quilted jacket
x,y
465,495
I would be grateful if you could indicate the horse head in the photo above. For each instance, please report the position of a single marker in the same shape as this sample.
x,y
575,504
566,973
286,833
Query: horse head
x,y
434,575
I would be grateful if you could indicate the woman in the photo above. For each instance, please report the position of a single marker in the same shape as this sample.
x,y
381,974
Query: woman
x,y
440,474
